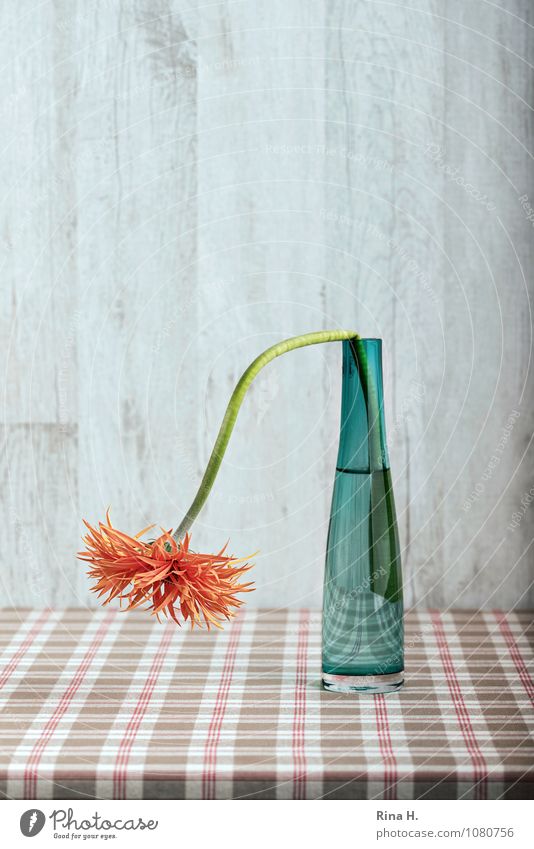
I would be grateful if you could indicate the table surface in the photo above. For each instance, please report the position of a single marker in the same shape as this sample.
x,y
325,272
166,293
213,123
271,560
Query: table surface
x,y
104,704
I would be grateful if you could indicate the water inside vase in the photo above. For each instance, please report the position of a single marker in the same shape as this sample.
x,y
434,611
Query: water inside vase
x,y
362,612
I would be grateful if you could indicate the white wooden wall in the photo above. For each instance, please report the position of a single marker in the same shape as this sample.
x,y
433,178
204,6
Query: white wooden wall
x,y
184,183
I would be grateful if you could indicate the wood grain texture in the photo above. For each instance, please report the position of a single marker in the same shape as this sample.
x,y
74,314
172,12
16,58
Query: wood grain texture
x,y
182,184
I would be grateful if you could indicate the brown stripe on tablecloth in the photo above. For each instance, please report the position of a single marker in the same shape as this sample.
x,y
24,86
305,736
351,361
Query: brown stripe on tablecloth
x,y
469,732
11,621
24,646
41,661
23,703
342,730
424,724
146,697
166,760
83,744
509,733
345,788
27,699
519,790
254,753
41,758
74,788
433,765
166,788
218,712
429,732
435,788
513,643
425,733
386,747
525,620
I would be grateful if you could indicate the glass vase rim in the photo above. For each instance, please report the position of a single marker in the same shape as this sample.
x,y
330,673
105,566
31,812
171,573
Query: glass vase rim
x,y
365,339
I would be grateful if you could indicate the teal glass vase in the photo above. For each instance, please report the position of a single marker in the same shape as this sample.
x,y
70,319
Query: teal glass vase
x,y
363,635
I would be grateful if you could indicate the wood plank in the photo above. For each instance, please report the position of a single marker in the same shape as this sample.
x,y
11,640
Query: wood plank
x,y
39,503
136,254
261,263
38,319
487,146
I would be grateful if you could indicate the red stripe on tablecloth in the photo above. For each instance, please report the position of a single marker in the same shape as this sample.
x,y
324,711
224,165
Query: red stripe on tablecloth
x,y
125,747
299,715
32,765
386,747
219,710
9,669
480,769
515,653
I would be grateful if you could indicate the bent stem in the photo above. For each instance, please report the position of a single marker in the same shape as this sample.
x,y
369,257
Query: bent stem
x,y
372,404
234,405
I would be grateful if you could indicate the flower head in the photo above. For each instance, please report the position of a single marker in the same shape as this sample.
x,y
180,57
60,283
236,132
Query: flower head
x,y
165,574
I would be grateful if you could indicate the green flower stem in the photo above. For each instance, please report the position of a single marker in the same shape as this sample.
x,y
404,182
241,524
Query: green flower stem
x,y
371,402
234,405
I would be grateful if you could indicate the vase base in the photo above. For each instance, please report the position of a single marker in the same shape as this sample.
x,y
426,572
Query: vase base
x,y
363,683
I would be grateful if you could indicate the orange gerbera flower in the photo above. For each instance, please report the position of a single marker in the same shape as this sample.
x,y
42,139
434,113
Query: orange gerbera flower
x,y
164,573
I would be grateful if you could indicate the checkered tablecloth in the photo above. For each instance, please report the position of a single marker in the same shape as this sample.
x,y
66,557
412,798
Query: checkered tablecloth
x,y
114,705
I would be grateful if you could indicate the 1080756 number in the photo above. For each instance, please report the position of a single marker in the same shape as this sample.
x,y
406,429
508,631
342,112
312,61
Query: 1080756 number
x,y
487,831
